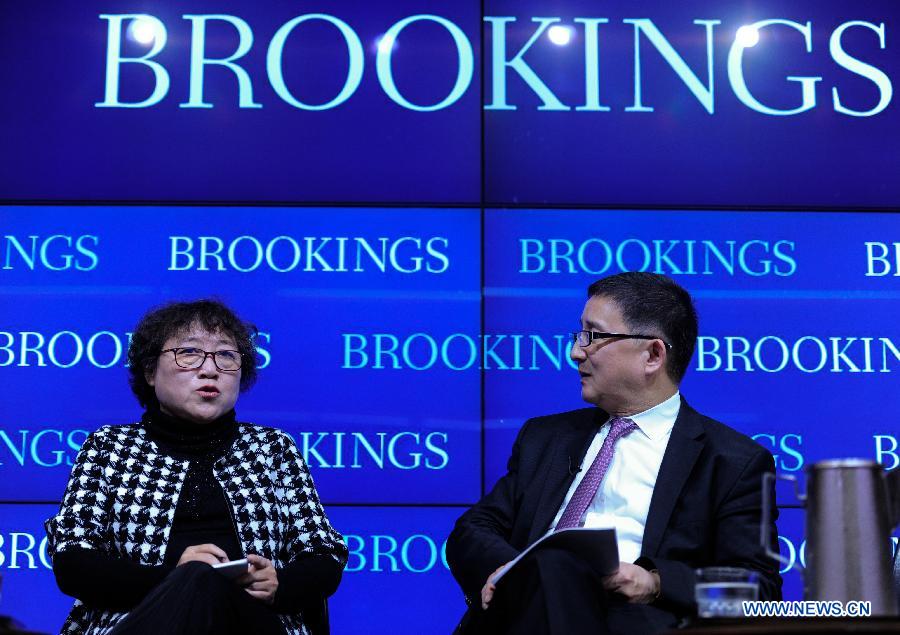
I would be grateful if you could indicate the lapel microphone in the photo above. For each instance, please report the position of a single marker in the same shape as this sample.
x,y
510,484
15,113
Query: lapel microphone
x,y
573,470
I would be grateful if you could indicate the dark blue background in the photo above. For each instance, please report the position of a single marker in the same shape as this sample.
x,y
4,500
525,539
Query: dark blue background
x,y
409,593
396,580
304,386
827,295
680,155
366,149
370,168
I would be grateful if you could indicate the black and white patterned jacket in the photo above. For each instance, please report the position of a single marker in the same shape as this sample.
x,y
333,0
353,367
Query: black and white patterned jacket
x,y
123,491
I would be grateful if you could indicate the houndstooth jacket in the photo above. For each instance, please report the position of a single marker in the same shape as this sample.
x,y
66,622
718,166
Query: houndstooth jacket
x,y
123,491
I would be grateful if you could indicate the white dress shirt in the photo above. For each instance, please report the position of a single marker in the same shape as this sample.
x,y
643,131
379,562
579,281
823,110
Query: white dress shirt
x,y
623,498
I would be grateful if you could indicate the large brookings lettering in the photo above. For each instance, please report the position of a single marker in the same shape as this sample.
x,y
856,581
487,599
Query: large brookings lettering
x,y
535,352
785,449
384,553
45,447
375,553
342,254
22,550
501,65
808,354
274,61
456,351
66,349
597,256
882,259
406,450
794,551
58,252
886,451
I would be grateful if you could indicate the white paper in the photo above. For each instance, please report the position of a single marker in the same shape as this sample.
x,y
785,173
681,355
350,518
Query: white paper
x,y
598,547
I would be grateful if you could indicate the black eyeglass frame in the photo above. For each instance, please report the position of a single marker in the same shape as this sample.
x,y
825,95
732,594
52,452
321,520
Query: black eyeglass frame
x,y
599,335
214,354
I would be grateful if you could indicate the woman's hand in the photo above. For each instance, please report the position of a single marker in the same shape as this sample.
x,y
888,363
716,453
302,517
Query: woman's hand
x,y
208,553
261,581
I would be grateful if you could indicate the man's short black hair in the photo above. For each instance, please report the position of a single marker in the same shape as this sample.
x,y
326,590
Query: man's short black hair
x,y
652,304
170,320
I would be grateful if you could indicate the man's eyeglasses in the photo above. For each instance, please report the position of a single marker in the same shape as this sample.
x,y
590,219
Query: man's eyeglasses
x,y
187,357
586,338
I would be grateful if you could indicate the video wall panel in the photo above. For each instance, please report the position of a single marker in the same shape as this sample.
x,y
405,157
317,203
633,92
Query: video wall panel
x,y
396,578
796,314
236,101
352,305
396,571
411,219
693,103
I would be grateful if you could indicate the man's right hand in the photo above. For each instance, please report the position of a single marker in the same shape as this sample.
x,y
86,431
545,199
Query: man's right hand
x,y
487,591
208,553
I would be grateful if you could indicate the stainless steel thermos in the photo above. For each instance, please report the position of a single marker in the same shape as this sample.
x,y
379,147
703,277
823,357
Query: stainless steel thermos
x,y
852,506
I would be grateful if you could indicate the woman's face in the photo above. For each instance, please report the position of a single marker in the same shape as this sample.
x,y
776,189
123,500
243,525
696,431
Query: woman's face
x,y
200,394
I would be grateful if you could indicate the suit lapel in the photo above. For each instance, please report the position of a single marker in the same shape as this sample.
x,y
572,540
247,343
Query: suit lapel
x,y
681,454
568,455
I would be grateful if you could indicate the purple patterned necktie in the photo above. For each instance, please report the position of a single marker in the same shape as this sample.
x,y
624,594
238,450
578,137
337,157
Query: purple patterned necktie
x,y
586,489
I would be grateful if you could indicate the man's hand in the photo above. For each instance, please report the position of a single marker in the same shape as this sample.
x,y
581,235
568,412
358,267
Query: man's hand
x,y
261,581
487,591
208,553
637,584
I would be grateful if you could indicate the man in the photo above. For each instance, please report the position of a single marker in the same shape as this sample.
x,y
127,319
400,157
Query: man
x,y
682,490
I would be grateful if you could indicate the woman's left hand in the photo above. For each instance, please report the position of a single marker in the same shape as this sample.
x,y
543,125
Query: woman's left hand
x,y
261,581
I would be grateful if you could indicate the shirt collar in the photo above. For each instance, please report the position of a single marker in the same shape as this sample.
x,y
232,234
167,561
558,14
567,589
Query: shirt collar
x,y
657,422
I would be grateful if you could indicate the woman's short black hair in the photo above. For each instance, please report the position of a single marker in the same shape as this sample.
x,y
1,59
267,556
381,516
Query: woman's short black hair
x,y
170,320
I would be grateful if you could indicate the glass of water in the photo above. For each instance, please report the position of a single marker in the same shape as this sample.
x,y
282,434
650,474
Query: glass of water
x,y
720,591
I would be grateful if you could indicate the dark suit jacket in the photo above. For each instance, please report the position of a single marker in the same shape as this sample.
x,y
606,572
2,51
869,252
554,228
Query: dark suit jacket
x,y
705,509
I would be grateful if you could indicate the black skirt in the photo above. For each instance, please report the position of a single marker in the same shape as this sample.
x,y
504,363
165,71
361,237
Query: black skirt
x,y
194,599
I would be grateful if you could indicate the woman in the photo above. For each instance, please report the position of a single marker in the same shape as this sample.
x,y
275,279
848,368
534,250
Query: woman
x,y
150,506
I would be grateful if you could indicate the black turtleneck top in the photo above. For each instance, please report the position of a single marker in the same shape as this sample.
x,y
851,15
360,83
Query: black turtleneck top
x,y
203,515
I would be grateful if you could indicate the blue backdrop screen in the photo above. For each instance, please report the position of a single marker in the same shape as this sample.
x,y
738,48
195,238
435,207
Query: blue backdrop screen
x,y
295,109
327,289
665,104
792,320
409,200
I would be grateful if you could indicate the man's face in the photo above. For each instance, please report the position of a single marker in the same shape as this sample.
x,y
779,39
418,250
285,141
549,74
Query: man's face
x,y
199,394
611,370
